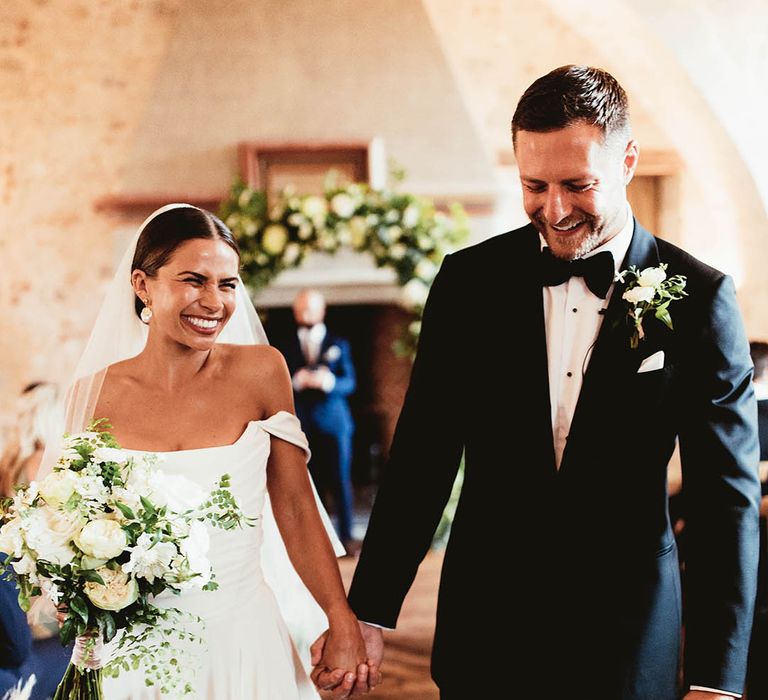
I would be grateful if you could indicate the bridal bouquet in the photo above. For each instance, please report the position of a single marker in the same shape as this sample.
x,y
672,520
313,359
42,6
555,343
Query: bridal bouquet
x,y
102,536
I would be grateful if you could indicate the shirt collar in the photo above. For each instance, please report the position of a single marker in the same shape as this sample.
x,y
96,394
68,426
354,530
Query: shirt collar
x,y
617,246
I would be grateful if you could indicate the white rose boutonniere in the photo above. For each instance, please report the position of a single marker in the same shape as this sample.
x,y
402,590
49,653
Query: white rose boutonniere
x,y
649,290
332,354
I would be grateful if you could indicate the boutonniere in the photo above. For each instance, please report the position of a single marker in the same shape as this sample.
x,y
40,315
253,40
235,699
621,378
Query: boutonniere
x,y
649,291
332,354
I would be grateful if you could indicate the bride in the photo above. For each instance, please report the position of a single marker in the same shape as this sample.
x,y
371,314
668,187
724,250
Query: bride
x,y
179,365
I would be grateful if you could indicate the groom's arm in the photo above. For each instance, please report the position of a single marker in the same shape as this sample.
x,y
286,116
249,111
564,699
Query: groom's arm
x,y
719,451
424,458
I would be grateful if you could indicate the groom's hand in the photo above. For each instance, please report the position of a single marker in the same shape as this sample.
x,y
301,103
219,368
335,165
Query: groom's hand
x,y
368,675
706,695
374,650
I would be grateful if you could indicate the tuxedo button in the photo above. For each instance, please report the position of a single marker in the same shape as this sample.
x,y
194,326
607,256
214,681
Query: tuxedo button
x,y
569,374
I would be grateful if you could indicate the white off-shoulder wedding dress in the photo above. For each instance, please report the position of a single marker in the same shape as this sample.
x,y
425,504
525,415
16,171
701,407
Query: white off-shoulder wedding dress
x,y
250,654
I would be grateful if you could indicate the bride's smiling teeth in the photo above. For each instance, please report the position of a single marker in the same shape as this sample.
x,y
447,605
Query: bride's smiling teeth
x,y
204,323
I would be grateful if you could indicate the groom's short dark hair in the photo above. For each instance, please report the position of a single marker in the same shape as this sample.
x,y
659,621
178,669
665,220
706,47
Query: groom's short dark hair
x,y
571,94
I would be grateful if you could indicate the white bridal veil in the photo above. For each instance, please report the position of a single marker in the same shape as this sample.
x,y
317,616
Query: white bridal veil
x,y
119,334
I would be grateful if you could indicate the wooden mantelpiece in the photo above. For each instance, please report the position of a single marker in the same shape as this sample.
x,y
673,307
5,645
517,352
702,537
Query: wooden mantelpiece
x,y
139,206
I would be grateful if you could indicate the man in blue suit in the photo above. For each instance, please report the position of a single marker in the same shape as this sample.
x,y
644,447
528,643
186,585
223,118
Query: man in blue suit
x,y
323,377
21,656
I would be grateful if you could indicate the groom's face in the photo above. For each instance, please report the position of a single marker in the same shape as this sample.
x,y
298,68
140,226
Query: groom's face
x,y
574,185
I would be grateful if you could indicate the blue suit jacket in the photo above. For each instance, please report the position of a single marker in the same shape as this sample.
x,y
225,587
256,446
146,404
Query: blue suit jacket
x,y
318,410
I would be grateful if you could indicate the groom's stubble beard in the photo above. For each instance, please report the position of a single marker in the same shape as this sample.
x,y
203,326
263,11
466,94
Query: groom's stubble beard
x,y
570,248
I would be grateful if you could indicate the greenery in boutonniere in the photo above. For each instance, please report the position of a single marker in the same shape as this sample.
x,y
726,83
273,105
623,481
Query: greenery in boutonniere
x,y
649,291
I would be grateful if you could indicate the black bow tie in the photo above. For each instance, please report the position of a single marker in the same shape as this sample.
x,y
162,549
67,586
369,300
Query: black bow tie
x,y
597,270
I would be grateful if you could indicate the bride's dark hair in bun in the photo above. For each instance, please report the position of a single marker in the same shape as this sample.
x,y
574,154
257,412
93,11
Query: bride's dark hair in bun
x,y
167,231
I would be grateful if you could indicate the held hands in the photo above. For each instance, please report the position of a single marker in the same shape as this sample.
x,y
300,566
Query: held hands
x,y
706,695
331,676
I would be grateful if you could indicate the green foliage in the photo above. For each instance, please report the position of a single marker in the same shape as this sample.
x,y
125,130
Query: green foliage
x,y
400,231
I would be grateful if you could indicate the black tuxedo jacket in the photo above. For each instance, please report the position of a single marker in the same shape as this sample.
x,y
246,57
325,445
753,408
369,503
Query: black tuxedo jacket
x,y
577,566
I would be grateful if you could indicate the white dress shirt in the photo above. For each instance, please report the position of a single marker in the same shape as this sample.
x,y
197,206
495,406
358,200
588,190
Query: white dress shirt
x,y
572,317
311,341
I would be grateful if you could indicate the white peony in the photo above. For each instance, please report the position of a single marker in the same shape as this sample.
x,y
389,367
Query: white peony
x,y
119,590
274,239
176,492
25,565
57,487
49,532
102,539
343,205
639,294
651,277
150,560
11,539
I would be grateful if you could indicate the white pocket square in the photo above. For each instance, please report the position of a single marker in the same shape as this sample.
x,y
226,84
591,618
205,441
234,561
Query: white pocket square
x,y
652,362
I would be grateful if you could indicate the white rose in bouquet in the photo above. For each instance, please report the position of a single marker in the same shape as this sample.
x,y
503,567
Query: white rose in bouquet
x,y
102,539
11,540
49,532
118,592
57,487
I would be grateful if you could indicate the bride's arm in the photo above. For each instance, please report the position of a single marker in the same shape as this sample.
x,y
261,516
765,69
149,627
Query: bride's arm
x,y
302,530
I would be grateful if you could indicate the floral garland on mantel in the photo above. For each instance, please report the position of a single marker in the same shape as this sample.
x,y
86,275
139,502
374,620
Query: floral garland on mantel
x,y
401,231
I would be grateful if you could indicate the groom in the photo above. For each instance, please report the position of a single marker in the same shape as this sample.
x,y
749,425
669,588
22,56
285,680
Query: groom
x,y
561,544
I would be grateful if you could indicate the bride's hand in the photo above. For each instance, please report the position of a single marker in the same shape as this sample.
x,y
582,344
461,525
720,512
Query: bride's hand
x,y
339,657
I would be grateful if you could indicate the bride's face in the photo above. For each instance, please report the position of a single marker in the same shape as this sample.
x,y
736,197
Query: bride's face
x,y
193,296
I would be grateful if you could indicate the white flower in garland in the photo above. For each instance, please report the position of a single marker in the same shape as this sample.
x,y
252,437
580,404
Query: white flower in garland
x,y
314,207
343,205
274,239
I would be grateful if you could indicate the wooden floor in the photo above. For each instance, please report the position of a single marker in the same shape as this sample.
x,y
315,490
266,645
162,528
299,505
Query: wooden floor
x,y
406,659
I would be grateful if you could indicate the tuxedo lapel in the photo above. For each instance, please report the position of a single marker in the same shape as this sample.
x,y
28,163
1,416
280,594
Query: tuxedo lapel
x,y
532,355
613,361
